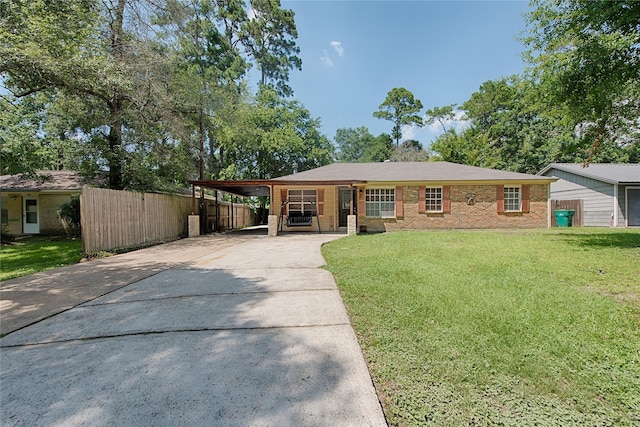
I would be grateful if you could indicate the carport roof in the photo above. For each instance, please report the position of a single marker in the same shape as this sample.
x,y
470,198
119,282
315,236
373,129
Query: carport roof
x,y
261,187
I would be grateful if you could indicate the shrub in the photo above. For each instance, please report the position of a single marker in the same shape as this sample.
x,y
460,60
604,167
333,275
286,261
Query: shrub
x,y
69,214
7,237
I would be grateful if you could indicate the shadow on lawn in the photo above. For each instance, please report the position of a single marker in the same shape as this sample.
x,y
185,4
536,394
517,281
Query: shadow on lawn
x,y
604,240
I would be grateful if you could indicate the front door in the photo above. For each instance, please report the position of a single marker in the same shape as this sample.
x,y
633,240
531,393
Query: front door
x,y
633,207
344,201
31,222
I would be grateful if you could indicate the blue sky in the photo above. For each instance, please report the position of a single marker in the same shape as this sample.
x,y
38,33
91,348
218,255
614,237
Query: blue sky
x,y
354,52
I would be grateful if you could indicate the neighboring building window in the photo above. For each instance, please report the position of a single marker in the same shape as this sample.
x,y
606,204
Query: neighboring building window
x,y
4,208
302,202
433,199
380,202
512,200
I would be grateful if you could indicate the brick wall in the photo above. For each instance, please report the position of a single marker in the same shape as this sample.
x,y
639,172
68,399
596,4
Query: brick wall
x,y
482,214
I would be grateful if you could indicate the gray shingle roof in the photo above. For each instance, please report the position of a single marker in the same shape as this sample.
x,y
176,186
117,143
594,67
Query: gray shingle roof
x,y
613,173
49,181
409,171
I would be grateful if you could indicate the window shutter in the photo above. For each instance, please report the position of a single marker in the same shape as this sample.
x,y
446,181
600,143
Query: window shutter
x,y
525,198
422,199
399,203
361,198
283,197
320,201
446,199
500,198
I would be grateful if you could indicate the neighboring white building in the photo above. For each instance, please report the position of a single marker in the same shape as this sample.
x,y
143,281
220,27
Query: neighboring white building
x,y
610,193
30,205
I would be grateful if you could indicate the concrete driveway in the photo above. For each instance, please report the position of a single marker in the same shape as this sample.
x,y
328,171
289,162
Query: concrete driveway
x,y
235,330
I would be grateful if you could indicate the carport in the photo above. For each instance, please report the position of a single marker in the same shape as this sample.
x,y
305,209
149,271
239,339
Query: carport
x,y
257,188
265,188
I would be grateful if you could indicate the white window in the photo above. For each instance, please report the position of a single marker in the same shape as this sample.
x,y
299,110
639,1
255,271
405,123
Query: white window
x,y
512,199
380,202
433,199
302,202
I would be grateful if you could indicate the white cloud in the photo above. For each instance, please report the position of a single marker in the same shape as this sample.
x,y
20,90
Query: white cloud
x,y
337,46
409,132
325,58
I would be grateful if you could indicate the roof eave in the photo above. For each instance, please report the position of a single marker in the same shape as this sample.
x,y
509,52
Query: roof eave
x,y
573,171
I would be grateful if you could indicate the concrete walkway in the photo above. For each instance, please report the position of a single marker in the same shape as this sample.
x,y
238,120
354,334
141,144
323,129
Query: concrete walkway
x,y
234,330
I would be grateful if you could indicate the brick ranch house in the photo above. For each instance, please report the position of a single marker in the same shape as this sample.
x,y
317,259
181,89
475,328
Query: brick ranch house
x,y
393,196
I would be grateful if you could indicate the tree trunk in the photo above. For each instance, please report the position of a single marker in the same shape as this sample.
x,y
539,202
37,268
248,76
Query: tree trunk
x,y
114,156
60,163
201,140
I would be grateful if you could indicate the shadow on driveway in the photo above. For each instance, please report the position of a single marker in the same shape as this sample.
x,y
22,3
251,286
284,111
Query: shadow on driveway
x,y
213,341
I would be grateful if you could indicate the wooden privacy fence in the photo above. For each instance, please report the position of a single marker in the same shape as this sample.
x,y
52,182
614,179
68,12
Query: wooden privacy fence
x,y
114,219
576,205
228,216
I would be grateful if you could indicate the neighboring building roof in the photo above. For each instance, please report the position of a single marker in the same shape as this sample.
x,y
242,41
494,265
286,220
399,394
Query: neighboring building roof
x,y
408,171
613,173
44,181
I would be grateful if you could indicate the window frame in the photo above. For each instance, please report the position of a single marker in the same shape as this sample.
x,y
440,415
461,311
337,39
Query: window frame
x,y
508,201
377,205
439,199
4,208
307,200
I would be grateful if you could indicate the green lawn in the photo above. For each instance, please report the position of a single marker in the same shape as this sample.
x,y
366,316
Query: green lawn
x,y
34,254
538,327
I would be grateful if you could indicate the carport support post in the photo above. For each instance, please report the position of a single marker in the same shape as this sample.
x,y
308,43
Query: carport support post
x,y
193,220
351,225
273,225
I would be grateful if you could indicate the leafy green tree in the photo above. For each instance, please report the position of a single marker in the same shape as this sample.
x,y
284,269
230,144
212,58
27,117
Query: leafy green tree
x,y
510,129
44,131
402,108
270,38
208,61
359,145
272,135
151,92
20,151
586,54
380,149
96,52
410,150
502,122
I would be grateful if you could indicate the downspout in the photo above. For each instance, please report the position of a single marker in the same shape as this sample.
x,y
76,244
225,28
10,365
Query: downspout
x,y
217,225
271,200
615,205
351,199
193,199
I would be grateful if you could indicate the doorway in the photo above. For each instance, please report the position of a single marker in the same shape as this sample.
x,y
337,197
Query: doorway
x,y
633,207
344,206
31,219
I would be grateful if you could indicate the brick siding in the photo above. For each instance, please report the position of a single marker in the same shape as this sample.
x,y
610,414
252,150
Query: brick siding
x,y
482,214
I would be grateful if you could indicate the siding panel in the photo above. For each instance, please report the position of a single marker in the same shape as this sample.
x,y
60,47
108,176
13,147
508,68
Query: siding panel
x,y
597,196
